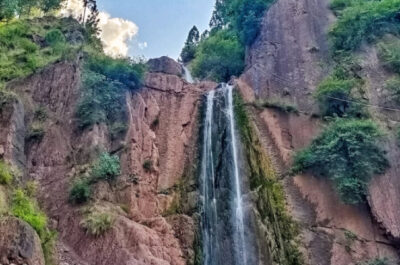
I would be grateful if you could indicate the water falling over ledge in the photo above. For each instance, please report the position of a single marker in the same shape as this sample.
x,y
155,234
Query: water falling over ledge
x,y
225,235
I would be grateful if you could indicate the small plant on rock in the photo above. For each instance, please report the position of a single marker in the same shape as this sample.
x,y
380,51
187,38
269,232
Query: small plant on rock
x,y
97,223
80,191
6,175
148,165
107,167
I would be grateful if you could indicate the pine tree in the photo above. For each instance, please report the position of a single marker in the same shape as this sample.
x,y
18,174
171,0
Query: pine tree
x,y
189,50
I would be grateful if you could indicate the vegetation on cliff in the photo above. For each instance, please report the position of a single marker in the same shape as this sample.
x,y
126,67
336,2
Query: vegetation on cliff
x,y
270,200
348,153
220,52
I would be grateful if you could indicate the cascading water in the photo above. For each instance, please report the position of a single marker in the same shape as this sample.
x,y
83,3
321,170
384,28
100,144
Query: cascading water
x,y
188,76
223,220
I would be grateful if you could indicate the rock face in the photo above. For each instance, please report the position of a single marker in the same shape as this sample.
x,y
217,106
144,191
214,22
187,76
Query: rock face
x,y
19,243
165,65
286,63
162,128
286,60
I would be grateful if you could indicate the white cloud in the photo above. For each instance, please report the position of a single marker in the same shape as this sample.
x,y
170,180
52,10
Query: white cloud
x,y
115,32
142,45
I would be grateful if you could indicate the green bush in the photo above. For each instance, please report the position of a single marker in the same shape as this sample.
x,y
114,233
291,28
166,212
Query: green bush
x,y
80,191
148,165
334,96
27,209
219,57
126,71
6,175
393,85
389,53
36,132
278,105
97,223
348,153
54,37
106,167
364,21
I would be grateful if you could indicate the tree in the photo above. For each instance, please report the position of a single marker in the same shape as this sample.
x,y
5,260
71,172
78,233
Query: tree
x,y
189,50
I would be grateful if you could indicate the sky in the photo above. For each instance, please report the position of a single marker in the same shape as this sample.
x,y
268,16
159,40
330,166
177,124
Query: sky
x,y
161,25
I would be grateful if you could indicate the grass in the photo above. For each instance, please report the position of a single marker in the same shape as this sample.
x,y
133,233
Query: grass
x,y
278,105
97,223
389,53
21,51
36,132
270,200
6,175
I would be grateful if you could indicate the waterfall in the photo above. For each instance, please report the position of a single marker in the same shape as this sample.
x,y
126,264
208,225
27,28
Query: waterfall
x,y
223,218
188,75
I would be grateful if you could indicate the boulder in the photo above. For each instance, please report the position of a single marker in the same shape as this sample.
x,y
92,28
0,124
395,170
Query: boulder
x,y
19,243
165,65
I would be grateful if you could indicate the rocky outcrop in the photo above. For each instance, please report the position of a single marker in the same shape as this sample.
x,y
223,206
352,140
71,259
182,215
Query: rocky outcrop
x,y
162,128
165,65
286,61
285,64
19,243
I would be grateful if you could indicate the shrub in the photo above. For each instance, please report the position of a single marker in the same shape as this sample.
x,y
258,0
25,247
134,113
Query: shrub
x,y
393,85
97,223
347,152
27,209
6,175
278,105
364,22
333,95
389,53
40,114
219,57
106,167
80,191
36,132
54,37
148,165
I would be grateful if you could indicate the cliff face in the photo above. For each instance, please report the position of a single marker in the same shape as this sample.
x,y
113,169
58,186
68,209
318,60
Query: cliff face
x,y
162,128
286,63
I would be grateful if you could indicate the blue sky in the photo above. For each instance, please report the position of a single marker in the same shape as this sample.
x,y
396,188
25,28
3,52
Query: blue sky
x,y
163,24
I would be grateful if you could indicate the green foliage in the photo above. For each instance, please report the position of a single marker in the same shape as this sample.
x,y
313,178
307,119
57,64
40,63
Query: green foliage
x,y
219,57
393,85
105,82
97,223
278,105
36,132
270,194
21,8
27,209
348,153
106,167
6,174
363,21
189,50
334,95
40,114
80,191
243,16
389,53
20,55
148,165
55,37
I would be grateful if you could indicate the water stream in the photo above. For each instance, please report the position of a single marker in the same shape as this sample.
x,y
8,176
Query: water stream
x,y
223,218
